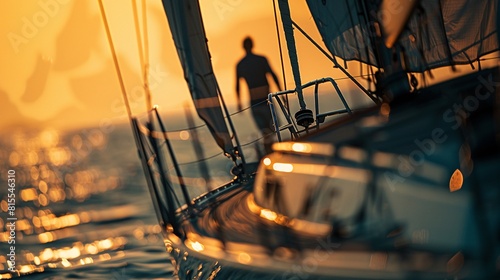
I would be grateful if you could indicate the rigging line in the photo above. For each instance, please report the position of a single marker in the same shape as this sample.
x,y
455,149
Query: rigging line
x,y
231,125
153,161
221,153
258,139
204,125
187,128
115,59
154,158
138,34
336,64
142,46
244,109
262,102
243,145
281,54
200,160
146,54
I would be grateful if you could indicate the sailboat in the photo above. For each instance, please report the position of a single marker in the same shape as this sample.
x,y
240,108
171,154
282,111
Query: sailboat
x,y
407,189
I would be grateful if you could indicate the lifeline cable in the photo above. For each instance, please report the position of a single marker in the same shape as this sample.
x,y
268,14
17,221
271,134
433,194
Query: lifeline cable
x,y
115,59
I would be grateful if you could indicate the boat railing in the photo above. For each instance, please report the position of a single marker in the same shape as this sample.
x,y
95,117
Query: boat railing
x,y
166,175
174,183
156,154
319,117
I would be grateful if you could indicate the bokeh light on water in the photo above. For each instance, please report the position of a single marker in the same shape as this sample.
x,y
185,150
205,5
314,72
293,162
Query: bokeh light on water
x,y
81,202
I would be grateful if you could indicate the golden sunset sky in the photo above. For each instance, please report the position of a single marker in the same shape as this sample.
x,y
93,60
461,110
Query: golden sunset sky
x,y
56,68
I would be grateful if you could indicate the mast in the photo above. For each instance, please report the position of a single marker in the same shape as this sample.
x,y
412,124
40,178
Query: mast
x,y
304,116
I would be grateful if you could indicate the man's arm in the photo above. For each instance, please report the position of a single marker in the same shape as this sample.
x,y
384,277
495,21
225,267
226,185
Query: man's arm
x,y
275,78
276,81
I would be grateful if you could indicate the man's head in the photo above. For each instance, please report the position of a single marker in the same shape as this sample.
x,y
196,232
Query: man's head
x,y
248,44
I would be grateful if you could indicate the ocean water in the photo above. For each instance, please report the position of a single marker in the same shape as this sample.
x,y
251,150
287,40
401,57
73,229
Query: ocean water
x,y
82,208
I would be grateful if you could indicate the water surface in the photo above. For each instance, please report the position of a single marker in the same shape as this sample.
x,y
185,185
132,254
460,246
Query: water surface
x,y
82,207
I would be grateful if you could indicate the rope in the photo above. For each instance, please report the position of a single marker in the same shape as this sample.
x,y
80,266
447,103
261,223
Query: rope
x,y
143,50
188,128
335,63
138,34
258,139
203,125
115,59
146,54
244,109
203,159
221,153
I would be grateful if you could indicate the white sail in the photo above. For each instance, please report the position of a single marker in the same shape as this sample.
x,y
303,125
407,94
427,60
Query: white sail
x,y
187,29
438,33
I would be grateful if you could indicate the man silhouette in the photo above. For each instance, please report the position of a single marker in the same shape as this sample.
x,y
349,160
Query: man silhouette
x,y
254,69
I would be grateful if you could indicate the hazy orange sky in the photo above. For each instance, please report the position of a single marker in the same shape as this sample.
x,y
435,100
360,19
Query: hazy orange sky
x,y
56,67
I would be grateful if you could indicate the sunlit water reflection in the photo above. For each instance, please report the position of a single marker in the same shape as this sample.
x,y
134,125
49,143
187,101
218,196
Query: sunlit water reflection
x,y
82,207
